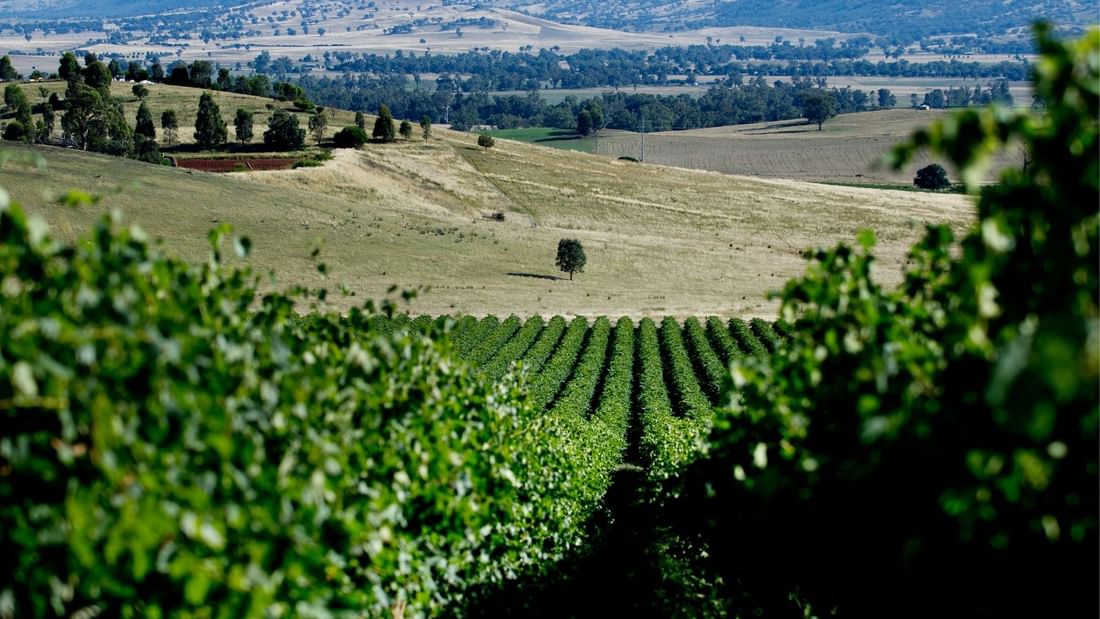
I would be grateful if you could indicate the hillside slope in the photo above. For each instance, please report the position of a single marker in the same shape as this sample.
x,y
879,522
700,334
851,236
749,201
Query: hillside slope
x,y
659,240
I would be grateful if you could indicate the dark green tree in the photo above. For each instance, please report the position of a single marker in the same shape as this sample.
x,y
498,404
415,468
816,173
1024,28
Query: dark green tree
x,y
584,123
485,141
571,258
69,68
405,129
140,91
360,121
48,123
318,122
350,137
7,72
144,125
210,128
932,176
84,117
171,125
383,126
98,76
426,127
243,125
283,132
818,105
14,96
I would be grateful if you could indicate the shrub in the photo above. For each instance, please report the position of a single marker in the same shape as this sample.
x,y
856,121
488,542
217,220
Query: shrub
x,y
350,137
932,176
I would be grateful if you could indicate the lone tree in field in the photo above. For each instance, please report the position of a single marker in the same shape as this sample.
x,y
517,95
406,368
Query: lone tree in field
x,y
571,257
318,122
383,127
243,124
426,127
210,129
406,129
283,132
818,106
360,120
140,91
486,141
171,125
932,177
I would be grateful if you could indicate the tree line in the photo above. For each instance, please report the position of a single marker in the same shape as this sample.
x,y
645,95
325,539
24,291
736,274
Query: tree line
x,y
478,70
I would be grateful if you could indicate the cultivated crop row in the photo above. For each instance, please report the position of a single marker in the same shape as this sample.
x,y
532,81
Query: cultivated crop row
x,y
489,346
495,367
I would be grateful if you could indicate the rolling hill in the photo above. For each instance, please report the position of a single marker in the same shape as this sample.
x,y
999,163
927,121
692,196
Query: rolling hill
x,y
412,214
54,9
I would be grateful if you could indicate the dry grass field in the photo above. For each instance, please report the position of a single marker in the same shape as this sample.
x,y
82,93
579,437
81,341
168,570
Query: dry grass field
x,y
846,150
659,240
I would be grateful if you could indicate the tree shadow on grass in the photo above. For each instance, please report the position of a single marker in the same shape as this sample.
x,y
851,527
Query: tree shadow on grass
x,y
537,276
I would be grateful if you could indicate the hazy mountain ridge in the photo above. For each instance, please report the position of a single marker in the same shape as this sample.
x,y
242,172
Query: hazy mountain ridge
x,y
880,17
53,9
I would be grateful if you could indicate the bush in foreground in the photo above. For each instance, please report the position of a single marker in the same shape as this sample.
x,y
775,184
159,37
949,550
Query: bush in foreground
x,y
173,443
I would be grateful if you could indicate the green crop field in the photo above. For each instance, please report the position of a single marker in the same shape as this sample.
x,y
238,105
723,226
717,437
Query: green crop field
x,y
546,136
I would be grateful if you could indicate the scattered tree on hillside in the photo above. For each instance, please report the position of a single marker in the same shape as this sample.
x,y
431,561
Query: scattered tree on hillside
x,y
383,127
13,96
360,121
84,114
48,123
283,132
243,125
350,137
144,125
171,125
140,91
97,75
7,72
426,127
584,123
318,122
406,129
818,105
486,141
69,68
571,257
886,98
210,129
932,176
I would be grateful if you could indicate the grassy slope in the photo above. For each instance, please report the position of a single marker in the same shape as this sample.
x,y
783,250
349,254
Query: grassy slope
x,y
659,240
185,101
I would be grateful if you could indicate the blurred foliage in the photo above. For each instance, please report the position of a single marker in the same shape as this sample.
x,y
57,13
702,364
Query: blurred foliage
x,y
934,446
174,443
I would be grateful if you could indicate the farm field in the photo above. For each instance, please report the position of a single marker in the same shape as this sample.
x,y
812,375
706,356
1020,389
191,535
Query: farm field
x,y
660,241
546,136
847,149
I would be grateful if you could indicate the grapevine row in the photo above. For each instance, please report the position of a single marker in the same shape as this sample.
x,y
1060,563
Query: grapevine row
x,y
713,373
488,346
540,351
667,441
545,384
764,333
745,338
722,340
495,367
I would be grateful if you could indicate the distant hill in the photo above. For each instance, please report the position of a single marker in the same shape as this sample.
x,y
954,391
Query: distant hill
x,y
903,19
54,9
